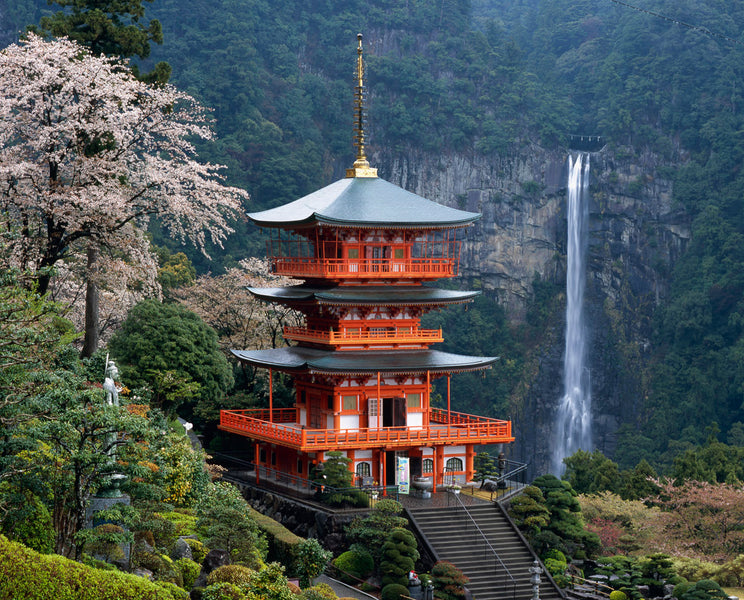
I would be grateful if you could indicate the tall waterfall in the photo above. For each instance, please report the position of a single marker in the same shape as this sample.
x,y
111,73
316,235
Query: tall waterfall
x,y
573,425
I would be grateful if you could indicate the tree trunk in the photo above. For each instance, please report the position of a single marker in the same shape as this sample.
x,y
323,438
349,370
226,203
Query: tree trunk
x,y
90,343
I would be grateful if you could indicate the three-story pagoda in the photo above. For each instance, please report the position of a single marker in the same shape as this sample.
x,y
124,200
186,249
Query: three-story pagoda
x,y
362,364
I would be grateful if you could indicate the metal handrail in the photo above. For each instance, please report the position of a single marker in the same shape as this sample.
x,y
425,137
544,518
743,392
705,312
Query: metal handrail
x,y
488,544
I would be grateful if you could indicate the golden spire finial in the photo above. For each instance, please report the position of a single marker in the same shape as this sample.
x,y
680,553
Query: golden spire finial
x,y
361,166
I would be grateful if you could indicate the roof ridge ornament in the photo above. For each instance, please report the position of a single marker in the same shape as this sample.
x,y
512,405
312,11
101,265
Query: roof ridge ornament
x,y
361,166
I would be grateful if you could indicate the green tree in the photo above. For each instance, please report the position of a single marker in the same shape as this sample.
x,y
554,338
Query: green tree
x,y
310,559
159,338
367,532
399,556
529,511
592,472
74,448
565,530
110,27
485,467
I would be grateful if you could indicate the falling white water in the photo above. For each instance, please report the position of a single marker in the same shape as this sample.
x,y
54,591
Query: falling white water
x,y
573,418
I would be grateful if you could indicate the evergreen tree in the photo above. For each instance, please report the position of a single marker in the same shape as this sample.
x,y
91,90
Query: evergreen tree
x,y
110,27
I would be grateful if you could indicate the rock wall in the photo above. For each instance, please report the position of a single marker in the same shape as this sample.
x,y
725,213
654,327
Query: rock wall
x,y
636,236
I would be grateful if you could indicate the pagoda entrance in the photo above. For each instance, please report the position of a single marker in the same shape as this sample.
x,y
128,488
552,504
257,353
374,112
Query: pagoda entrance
x,y
393,412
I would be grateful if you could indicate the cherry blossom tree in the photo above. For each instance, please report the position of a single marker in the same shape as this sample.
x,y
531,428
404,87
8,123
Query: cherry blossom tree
x,y
88,154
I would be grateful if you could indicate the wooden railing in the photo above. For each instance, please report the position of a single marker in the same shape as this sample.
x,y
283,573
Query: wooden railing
x,y
364,268
409,335
460,427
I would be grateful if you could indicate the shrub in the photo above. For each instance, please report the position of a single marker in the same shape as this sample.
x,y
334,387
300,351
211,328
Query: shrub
x,y
618,595
34,576
449,582
27,520
321,591
222,591
270,583
705,589
105,542
309,561
175,591
394,591
189,570
184,521
357,563
236,574
198,550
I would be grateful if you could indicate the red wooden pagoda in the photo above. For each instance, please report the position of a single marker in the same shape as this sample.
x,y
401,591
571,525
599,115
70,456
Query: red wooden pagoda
x,y
362,365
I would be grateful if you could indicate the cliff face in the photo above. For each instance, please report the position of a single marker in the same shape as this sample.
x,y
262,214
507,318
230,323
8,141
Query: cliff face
x,y
636,235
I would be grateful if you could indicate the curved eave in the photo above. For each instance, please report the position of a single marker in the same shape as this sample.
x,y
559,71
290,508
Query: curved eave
x,y
301,359
367,202
364,296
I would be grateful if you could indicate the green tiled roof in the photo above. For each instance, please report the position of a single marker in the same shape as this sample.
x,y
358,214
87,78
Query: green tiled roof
x,y
298,358
409,295
364,202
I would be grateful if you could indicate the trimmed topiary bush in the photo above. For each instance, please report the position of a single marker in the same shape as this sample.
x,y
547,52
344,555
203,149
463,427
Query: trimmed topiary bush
x,y
618,595
393,591
357,563
399,556
705,589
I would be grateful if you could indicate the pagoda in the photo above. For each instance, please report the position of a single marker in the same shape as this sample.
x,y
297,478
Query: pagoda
x,y
366,251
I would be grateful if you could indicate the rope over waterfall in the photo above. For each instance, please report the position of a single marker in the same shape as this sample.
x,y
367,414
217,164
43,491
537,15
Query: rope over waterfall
x,y
573,418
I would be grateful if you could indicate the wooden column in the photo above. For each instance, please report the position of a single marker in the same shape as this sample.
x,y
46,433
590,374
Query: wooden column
x,y
271,396
257,460
449,415
469,455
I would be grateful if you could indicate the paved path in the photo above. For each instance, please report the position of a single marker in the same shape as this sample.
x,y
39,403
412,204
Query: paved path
x,y
342,590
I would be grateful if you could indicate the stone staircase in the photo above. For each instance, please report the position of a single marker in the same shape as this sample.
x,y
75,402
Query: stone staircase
x,y
498,570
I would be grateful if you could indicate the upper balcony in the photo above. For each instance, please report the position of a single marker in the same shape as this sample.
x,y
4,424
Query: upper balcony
x,y
407,336
364,268
281,427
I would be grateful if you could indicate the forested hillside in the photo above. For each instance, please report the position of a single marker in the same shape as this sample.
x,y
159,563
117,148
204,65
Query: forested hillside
x,y
485,78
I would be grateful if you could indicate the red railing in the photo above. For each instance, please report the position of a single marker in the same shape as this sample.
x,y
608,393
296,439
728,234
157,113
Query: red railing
x,y
364,268
408,335
460,427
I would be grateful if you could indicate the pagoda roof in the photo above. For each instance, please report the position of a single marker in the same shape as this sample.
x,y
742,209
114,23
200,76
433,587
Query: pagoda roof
x,y
300,359
364,295
368,202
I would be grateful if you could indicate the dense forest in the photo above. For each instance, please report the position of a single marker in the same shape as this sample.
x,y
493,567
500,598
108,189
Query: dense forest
x,y
486,77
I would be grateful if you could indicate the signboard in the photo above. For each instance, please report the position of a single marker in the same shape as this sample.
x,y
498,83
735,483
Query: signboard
x,y
402,474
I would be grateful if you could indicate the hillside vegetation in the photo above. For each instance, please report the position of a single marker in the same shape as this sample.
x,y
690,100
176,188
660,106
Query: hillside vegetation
x,y
483,78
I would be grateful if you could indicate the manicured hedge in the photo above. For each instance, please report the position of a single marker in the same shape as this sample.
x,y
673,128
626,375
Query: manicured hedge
x,y
28,575
281,540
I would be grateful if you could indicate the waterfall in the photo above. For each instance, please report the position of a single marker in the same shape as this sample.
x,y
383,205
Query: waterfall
x,y
573,425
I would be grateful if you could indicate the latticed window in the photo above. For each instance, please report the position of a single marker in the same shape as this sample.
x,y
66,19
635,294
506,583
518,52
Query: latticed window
x,y
454,464
428,465
363,469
